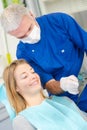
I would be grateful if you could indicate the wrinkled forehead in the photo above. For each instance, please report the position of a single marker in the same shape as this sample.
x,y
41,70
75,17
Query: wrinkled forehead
x,y
22,26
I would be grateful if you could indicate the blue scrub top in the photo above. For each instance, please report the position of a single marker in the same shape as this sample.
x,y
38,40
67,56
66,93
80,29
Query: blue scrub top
x,y
61,49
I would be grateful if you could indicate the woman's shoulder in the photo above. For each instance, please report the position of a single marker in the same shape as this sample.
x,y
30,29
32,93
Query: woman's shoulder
x,y
63,100
25,125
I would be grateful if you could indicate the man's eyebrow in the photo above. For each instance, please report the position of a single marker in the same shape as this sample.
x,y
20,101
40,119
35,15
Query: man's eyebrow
x,y
21,37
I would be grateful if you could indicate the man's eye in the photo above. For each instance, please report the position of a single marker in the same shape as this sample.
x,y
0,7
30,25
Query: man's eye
x,y
30,28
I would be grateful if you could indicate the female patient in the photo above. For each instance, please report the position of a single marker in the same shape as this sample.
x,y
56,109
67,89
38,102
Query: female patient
x,y
33,109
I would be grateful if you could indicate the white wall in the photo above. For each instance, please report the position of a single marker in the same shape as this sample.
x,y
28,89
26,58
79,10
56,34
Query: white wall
x,y
9,42
12,45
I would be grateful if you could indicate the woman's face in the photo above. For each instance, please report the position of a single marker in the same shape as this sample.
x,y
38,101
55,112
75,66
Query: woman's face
x,y
27,81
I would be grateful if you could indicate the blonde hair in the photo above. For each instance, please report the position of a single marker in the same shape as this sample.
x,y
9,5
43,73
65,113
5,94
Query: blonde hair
x,y
12,16
16,100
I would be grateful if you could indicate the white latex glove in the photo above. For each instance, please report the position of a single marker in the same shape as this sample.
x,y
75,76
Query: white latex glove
x,y
70,84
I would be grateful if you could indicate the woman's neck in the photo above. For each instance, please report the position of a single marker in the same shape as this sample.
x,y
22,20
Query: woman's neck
x,y
35,100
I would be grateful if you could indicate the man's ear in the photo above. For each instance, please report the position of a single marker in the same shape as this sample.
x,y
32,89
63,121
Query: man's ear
x,y
31,14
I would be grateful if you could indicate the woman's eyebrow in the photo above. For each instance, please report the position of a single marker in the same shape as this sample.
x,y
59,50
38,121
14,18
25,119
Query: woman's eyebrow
x,y
22,73
31,68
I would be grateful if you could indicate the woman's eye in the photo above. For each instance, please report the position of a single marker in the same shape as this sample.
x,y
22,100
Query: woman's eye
x,y
33,72
23,76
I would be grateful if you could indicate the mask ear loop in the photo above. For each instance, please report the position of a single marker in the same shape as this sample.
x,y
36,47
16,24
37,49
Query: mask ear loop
x,y
31,15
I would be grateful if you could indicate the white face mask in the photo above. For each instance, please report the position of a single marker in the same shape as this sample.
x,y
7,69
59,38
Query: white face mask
x,y
33,37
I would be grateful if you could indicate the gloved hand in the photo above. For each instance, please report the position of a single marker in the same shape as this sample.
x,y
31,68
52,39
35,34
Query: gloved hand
x,y
70,84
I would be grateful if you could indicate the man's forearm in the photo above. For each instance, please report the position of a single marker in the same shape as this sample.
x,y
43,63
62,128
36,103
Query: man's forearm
x,y
68,84
53,87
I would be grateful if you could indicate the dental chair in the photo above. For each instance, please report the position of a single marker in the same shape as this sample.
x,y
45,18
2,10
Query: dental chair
x,y
5,122
5,102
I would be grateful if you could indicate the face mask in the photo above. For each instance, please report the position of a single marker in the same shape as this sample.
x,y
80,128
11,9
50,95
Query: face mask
x,y
33,37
